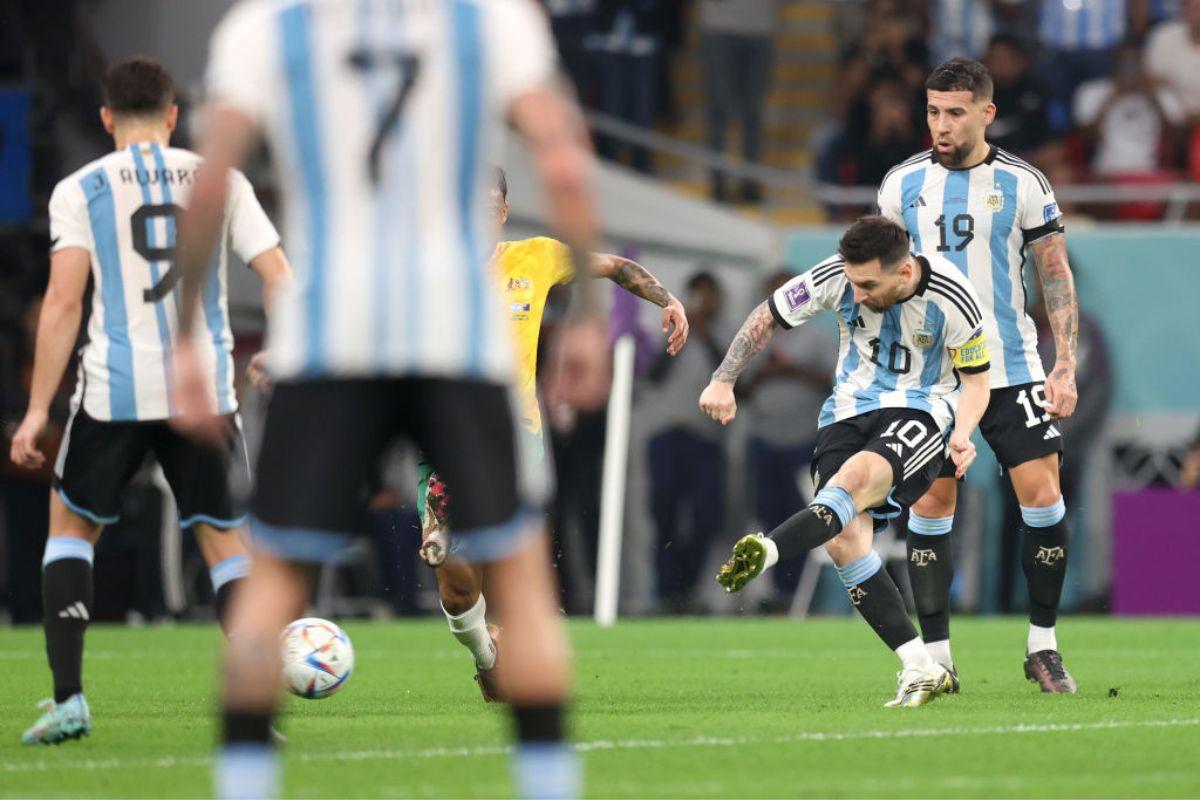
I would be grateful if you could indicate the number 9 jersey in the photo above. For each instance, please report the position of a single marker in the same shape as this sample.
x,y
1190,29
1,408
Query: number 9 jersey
x,y
123,210
981,219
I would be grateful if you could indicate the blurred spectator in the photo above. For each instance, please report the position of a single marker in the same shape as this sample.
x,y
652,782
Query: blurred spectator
x,y
1022,124
687,456
891,43
736,46
1189,466
1131,119
1078,37
784,390
572,21
1145,15
1081,431
885,137
959,28
1173,56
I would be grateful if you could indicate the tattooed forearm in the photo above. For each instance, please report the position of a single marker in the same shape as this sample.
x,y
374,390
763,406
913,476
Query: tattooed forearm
x,y
750,340
636,279
1058,289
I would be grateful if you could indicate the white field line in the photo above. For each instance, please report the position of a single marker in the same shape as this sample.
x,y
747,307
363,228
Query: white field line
x,y
168,762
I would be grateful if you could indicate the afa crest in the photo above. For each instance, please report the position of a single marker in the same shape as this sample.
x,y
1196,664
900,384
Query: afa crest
x,y
923,339
994,201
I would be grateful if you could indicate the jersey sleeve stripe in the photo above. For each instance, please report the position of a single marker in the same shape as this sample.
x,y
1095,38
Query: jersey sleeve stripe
x,y
972,319
1012,161
908,162
950,288
783,323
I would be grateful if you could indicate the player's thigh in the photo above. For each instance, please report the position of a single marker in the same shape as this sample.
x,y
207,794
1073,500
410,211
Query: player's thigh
x,y
1018,428
321,442
95,464
915,447
206,479
1036,483
65,522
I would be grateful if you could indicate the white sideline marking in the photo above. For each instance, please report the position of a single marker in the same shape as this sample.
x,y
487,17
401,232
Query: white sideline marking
x,y
168,762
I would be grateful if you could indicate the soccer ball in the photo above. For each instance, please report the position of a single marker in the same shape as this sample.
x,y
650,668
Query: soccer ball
x,y
317,658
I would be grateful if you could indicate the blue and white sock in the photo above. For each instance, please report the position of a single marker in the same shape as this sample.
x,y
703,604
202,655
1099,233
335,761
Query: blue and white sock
x,y
246,770
547,771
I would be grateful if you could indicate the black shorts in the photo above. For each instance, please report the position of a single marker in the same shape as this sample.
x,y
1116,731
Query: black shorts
x,y
1017,427
323,440
98,459
909,439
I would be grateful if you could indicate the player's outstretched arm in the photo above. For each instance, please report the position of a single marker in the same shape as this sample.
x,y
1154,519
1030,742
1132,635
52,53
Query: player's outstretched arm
x,y
58,328
229,134
637,280
1062,307
972,403
717,399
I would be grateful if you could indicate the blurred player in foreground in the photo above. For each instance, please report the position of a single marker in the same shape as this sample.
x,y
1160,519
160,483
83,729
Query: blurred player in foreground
x,y
527,270
114,219
911,384
384,118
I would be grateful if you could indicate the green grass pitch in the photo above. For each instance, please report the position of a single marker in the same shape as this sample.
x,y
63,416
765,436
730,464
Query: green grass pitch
x,y
665,708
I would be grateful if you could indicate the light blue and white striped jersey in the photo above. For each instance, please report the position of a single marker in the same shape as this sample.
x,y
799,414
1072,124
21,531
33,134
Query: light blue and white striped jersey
x,y
1081,24
904,357
385,118
123,209
981,219
960,28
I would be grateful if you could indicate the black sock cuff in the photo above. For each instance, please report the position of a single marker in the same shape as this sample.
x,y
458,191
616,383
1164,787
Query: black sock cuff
x,y
246,727
540,723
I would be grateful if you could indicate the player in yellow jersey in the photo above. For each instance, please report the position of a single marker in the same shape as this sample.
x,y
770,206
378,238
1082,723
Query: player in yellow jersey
x,y
526,270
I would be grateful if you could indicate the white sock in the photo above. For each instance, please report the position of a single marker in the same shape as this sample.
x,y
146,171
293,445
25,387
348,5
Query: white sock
x,y
772,553
941,653
470,628
246,771
914,655
1041,639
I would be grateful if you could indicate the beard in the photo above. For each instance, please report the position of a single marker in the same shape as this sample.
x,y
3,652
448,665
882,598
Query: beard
x,y
956,157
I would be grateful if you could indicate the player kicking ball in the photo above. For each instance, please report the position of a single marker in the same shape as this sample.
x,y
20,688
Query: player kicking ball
x,y
911,383
114,220
527,270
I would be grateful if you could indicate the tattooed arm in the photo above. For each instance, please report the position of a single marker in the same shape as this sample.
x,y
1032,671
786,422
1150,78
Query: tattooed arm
x,y
637,280
717,399
1062,307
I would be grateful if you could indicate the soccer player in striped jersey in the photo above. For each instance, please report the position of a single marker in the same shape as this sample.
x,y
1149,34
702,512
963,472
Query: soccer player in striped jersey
x,y
527,270
985,211
114,219
911,384
384,117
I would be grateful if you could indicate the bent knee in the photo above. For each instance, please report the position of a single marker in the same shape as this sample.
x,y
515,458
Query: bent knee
x,y
940,501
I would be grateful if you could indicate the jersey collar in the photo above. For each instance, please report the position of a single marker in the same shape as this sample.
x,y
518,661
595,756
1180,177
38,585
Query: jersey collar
x,y
923,283
988,159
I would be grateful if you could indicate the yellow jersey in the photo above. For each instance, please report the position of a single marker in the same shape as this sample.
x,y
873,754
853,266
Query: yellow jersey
x,y
527,270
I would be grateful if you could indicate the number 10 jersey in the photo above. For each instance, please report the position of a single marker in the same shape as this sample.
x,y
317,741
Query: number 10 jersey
x,y
981,219
123,209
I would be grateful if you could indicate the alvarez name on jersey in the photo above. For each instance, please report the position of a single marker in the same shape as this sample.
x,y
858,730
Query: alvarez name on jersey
x,y
904,357
123,209
981,220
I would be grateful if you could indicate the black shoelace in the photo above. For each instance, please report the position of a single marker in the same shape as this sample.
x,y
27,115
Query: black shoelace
x,y
1054,665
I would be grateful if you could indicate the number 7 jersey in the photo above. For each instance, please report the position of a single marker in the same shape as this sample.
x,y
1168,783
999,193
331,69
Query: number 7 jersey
x,y
123,210
981,220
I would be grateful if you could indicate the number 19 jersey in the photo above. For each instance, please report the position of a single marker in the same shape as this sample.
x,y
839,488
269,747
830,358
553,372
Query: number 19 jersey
x,y
981,219
123,210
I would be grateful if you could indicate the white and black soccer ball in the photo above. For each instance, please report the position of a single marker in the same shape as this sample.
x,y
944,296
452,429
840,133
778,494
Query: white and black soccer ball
x,y
317,658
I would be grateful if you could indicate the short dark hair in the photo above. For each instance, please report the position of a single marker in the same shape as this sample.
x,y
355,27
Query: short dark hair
x,y
874,237
960,74
502,183
138,86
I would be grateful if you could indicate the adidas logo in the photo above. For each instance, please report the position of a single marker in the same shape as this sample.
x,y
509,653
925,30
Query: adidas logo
x,y
76,610
1051,432
857,322
895,448
918,203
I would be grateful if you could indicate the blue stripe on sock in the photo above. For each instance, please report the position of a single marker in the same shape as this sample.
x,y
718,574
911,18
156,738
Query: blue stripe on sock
x,y
62,547
546,770
1044,517
930,526
228,570
837,500
860,569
